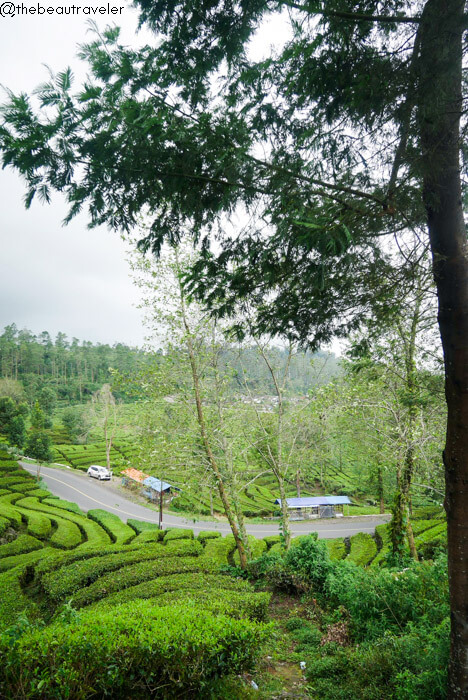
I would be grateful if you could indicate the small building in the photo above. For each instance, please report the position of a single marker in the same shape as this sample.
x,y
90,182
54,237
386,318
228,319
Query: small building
x,y
154,487
133,476
315,506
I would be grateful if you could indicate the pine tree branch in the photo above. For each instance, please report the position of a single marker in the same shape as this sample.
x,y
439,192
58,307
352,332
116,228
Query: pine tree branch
x,y
353,16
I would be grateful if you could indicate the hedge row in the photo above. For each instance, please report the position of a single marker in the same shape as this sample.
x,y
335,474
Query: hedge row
x,y
149,536
363,549
10,513
205,535
176,582
67,535
24,560
136,574
22,544
65,505
118,531
257,548
176,534
4,525
38,524
93,532
134,651
253,606
142,526
218,550
71,578
336,549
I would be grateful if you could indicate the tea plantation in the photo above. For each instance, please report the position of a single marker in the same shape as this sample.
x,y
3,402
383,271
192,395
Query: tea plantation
x,y
91,606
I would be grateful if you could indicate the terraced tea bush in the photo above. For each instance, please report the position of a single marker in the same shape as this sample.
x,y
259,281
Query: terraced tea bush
x,y
22,544
67,535
336,548
363,549
24,560
142,526
176,582
71,578
176,534
38,525
174,649
13,602
28,486
60,503
253,606
383,534
4,525
147,536
182,548
39,493
271,540
257,548
10,513
119,532
205,535
218,550
94,533
132,575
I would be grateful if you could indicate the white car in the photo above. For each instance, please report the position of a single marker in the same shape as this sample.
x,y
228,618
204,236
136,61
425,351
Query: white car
x,y
99,472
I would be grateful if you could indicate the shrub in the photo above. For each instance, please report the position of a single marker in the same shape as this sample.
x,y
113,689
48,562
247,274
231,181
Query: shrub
x,y
67,535
271,540
68,579
118,531
136,574
23,560
205,535
363,549
257,548
253,606
142,526
182,548
124,652
218,550
177,582
10,513
22,544
60,503
176,534
4,525
336,549
148,536
39,525
309,559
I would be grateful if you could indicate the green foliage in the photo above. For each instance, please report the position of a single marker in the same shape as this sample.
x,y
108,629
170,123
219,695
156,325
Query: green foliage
x,y
125,650
22,545
142,525
119,532
205,535
218,550
309,558
177,534
336,549
38,446
257,548
363,549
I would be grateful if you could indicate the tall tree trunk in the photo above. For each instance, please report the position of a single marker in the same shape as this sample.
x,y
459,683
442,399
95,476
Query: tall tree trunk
x,y
380,489
298,482
439,110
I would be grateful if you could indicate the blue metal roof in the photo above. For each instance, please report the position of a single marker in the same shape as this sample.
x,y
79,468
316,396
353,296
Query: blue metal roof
x,y
309,501
156,484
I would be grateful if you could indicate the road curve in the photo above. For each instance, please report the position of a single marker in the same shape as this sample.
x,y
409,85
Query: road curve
x,y
89,493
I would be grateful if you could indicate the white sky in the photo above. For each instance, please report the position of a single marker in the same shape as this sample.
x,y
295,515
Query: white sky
x,y
52,277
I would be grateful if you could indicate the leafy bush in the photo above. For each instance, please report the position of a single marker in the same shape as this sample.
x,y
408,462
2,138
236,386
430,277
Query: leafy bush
x,y
176,534
177,582
39,525
67,535
253,606
218,550
60,503
205,535
309,559
257,548
129,650
363,549
183,548
336,549
142,526
22,544
271,540
118,531
379,599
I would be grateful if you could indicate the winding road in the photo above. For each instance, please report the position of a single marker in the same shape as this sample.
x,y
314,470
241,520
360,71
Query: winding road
x,y
89,493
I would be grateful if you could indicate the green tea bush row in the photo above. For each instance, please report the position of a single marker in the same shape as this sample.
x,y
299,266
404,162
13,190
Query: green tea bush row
x,y
13,602
177,582
118,531
176,534
271,540
8,466
257,548
24,487
363,549
336,549
4,525
24,560
22,544
253,606
135,651
38,525
10,513
39,493
141,526
205,535
65,505
135,574
93,532
148,536
67,535
79,574
218,550
383,534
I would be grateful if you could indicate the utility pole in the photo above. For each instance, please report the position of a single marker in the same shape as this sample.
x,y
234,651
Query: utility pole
x,y
160,504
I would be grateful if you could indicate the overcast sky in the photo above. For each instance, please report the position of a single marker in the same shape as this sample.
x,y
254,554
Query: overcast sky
x,y
52,277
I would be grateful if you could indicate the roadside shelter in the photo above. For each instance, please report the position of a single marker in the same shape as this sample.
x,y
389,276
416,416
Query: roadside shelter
x,y
315,506
154,488
133,477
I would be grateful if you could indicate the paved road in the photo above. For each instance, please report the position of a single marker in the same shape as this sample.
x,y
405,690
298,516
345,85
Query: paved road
x,y
89,493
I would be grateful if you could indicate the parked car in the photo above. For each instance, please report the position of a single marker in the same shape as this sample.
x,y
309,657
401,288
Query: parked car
x,y
99,472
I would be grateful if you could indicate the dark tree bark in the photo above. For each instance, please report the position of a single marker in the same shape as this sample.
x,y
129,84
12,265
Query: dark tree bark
x,y
439,109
